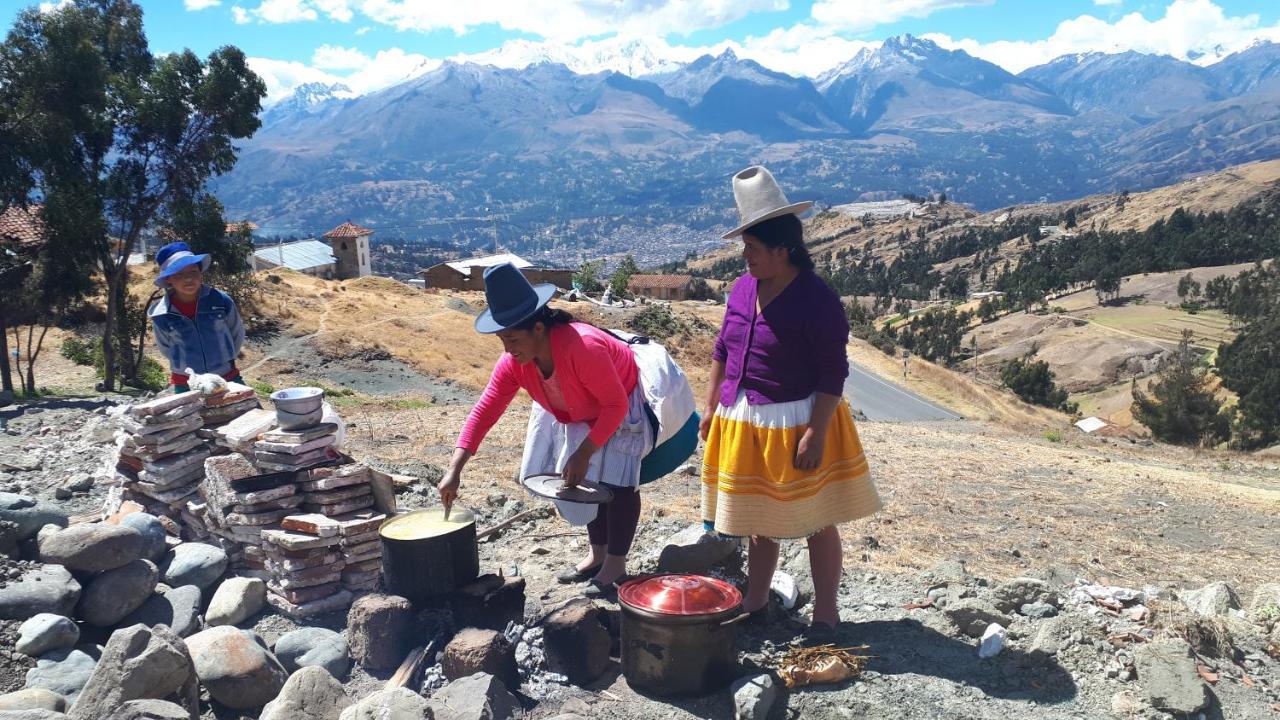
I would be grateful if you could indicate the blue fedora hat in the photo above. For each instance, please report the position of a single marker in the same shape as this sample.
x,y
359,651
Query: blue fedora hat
x,y
512,298
176,257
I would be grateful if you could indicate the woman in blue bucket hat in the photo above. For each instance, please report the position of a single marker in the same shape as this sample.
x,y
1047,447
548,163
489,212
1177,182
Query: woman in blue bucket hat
x,y
606,409
197,327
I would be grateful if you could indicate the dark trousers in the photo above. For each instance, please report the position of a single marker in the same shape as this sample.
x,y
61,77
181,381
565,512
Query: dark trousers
x,y
616,522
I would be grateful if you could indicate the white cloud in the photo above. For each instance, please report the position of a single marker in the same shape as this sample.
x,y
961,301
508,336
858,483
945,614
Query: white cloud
x,y
285,11
332,57
363,31
802,49
339,10
1108,2
200,4
240,16
1189,29
858,15
282,76
48,7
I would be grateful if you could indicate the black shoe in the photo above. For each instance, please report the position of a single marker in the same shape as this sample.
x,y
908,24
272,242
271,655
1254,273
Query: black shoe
x,y
599,591
819,633
573,575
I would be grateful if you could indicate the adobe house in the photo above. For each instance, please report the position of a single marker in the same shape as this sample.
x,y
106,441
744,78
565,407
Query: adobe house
x,y
350,244
661,287
469,274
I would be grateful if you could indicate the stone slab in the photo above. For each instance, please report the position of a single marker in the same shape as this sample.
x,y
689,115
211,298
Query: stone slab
x,y
337,601
312,524
296,541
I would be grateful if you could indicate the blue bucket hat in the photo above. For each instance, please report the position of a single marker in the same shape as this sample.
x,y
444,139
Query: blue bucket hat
x,y
512,298
176,257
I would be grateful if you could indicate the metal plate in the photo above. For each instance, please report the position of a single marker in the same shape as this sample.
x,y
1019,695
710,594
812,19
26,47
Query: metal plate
x,y
552,487
680,595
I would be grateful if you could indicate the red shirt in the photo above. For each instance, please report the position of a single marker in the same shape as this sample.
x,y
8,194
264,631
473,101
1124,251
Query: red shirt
x,y
188,311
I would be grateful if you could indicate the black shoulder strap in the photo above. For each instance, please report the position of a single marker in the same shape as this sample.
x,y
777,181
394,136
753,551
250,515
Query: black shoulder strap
x,y
633,340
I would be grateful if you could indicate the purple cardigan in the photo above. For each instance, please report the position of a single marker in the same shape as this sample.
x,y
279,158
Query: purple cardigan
x,y
795,348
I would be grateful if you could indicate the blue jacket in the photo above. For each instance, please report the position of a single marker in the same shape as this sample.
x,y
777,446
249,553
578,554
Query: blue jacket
x,y
210,344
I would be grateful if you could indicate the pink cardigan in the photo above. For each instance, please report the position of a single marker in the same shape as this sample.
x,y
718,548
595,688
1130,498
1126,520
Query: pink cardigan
x,y
597,373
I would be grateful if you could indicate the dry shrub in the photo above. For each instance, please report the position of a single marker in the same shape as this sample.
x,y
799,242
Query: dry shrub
x,y
1208,636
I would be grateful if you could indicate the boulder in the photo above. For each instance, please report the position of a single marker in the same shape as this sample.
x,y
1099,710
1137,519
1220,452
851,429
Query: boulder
x,y
43,589
1167,673
474,651
153,534
309,694
753,696
33,699
1214,599
138,663
31,715
151,710
476,697
194,564
178,608
65,672
314,647
380,630
1038,611
29,514
972,616
694,550
395,704
92,547
45,632
237,599
111,596
1008,597
576,642
1266,596
234,666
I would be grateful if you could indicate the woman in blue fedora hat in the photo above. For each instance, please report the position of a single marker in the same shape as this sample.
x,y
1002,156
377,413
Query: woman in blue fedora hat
x,y
595,417
197,327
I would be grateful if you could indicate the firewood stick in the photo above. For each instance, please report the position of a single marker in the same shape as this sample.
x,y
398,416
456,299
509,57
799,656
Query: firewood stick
x,y
408,669
506,523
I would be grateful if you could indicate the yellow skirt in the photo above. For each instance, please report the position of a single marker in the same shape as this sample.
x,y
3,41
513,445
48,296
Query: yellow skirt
x,y
750,484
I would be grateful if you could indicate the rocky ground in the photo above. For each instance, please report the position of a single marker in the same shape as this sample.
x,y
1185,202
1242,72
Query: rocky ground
x,y
1099,566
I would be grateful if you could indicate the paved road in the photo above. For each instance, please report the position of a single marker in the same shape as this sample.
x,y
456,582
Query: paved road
x,y
882,400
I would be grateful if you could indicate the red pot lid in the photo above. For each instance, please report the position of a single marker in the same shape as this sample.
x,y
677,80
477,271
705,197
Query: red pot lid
x,y
680,595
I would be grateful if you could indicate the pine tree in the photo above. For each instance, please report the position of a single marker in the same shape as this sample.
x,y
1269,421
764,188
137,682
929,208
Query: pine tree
x,y
1182,408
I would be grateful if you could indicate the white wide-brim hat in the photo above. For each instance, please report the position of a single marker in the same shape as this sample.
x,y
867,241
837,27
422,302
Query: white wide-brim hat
x,y
760,198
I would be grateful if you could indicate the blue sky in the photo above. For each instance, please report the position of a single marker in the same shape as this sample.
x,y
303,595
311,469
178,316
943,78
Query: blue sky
x,y
372,43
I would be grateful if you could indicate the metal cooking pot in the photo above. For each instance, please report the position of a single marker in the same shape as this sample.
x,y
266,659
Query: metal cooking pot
x,y
678,633
425,556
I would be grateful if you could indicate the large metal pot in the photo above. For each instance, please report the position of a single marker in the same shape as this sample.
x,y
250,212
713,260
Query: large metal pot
x,y
678,634
425,556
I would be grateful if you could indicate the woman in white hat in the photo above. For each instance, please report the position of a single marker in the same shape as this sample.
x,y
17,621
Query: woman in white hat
x,y
783,459
590,420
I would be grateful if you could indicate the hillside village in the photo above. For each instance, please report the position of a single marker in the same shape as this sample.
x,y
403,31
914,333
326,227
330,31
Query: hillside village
x,y
1070,409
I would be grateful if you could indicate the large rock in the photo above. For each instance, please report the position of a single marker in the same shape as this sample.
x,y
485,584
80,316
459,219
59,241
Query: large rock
x,y
31,715
576,642
194,564
1267,595
33,699
43,589
237,599
64,671
152,532
92,547
1214,599
1167,672
474,651
1010,596
694,550
476,697
972,616
111,596
178,608
29,514
380,630
753,696
46,632
235,668
309,694
138,663
314,647
151,710
395,704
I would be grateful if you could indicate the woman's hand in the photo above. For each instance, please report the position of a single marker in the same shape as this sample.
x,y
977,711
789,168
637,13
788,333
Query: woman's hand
x,y
809,451
704,424
575,470
448,488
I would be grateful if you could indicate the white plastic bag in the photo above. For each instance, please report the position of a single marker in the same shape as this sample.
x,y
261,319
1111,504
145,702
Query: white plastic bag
x,y
329,415
206,383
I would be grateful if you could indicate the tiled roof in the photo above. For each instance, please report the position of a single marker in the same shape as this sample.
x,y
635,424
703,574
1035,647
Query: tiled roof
x,y
235,227
21,226
464,266
348,230
674,282
299,255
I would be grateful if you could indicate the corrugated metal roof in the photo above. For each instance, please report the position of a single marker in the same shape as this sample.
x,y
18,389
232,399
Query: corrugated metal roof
x,y
464,266
298,255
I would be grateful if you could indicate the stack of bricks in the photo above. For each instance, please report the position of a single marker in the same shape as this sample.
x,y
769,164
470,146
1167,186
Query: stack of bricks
x,y
225,407
333,491
361,549
290,450
304,564
241,502
161,459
